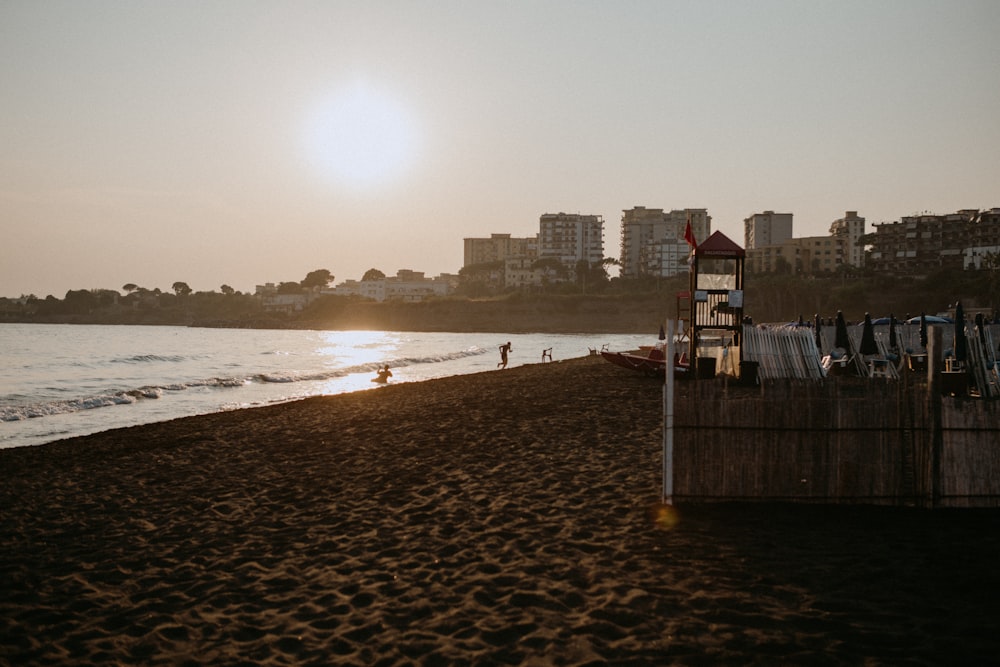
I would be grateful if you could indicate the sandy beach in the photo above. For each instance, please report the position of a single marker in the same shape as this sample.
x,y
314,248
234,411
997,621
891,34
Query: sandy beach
x,y
507,517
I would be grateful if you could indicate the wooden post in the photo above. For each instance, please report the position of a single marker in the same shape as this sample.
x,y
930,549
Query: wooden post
x,y
668,420
934,410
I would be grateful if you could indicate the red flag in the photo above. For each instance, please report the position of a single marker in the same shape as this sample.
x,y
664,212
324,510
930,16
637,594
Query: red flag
x,y
689,236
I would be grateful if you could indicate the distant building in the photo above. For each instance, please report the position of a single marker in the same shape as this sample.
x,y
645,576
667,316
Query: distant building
x,y
772,259
571,238
850,228
523,272
406,285
822,254
985,240
497,248
807,254
767,228
273,302
409,285
920,244
503,262
367,289
652,240
803,255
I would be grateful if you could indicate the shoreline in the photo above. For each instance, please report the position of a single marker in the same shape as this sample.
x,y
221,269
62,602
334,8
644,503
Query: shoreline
x,y
168,372
504,516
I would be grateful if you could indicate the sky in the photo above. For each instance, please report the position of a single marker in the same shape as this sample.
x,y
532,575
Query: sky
x,y
240,142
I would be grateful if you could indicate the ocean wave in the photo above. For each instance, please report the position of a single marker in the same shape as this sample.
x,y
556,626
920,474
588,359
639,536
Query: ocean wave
x,y
9,413
19,412
209,382
438,358
367,367
149,358
146,392
281,378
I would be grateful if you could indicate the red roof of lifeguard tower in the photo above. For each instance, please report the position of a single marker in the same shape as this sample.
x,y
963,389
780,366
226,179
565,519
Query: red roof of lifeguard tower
x,y
719,245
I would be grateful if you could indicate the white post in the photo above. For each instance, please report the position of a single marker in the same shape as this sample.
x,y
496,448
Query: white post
x,y
668,420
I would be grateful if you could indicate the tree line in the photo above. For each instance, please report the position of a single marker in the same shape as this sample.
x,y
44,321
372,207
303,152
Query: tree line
x,y
769,298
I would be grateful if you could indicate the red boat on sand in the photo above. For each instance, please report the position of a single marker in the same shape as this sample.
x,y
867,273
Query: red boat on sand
x,y
651,362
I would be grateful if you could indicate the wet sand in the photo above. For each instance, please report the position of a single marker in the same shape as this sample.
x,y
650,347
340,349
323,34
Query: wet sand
x,y
501,518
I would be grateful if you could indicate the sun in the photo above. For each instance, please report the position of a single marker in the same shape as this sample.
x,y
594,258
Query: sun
x,y
362,137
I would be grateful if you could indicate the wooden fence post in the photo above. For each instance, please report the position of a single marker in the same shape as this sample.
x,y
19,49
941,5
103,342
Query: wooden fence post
x,y
668,420
934,410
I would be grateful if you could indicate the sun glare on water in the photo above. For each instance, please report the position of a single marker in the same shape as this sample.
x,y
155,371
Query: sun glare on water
x,y
347,349
361,137
359,353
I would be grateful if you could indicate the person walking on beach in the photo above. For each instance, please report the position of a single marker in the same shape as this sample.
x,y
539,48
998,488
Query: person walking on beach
x,y
504,349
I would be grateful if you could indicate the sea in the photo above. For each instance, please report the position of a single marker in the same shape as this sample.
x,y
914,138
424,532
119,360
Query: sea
x,y
59,381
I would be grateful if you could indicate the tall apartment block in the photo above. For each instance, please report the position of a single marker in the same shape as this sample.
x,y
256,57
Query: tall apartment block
x,y
571,237
850,228
652,240
767,228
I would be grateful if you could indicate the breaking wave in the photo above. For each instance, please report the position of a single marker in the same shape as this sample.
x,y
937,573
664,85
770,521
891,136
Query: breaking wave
x,y
127,396
149,358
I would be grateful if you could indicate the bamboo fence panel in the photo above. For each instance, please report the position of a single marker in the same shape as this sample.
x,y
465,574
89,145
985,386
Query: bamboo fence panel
x,y
842,440
970,459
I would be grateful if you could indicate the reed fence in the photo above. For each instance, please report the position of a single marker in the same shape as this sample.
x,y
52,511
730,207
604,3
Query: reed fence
x,y
844,440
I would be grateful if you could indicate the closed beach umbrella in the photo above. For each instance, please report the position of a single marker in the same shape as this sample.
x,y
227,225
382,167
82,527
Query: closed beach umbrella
x,y
961,347
893,341
819,331
923,331
840,338
663,334
868,345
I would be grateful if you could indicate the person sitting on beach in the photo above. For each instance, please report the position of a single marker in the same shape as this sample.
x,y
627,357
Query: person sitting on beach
x,y
547,353
383,374
504,349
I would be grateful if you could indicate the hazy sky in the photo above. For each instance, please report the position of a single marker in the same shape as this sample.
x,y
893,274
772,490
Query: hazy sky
x,y
238,142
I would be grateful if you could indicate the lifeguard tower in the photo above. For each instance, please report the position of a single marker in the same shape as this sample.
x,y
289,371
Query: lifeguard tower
x,y
713,308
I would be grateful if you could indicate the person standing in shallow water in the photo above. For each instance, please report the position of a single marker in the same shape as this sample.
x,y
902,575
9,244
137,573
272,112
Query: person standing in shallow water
x,y
504,350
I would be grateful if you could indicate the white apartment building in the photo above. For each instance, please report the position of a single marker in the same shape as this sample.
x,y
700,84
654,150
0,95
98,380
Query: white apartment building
x,y
850,228
652,241
767,228
409,285
368,289
571,237
406,285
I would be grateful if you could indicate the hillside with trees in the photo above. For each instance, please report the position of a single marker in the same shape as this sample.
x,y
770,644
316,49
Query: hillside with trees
x,y
589,305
